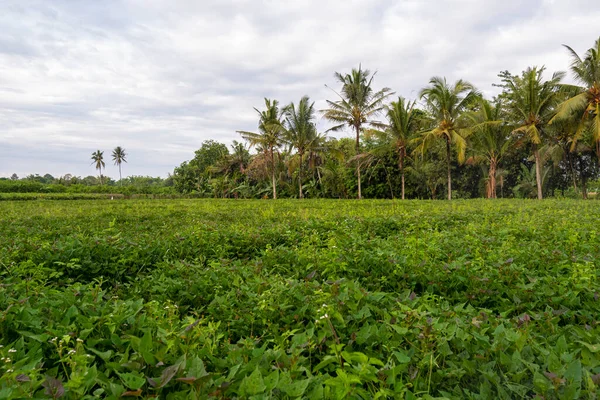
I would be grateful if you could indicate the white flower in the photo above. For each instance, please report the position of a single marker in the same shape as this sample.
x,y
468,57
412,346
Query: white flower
x,y
7,360
12,351
79,340
2,359
8,371
72,351
1,346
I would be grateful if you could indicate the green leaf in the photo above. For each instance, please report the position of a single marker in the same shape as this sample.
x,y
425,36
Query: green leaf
x,y
402,357
104,355
272,380
132,381
252,384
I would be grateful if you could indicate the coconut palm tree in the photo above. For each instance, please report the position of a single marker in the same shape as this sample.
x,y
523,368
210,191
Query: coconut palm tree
x,y
531,102
583,103
489,141
119,156
98,161
301,131
269,136
403,123
448,106
357,106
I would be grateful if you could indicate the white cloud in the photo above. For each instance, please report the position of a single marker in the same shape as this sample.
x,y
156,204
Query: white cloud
x,y
159,77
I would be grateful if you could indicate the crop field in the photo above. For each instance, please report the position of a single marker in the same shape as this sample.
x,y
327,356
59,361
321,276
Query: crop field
x,y
195,299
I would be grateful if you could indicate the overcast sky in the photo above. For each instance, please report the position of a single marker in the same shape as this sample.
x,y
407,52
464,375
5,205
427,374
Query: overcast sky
x,y
158,77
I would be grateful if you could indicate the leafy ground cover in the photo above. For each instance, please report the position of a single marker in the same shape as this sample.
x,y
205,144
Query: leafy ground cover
x,y
182,299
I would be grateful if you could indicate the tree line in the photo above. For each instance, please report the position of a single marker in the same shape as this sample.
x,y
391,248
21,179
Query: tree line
x,y
539,135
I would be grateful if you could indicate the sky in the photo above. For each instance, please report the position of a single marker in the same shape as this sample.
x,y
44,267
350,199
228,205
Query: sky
x,y
159,77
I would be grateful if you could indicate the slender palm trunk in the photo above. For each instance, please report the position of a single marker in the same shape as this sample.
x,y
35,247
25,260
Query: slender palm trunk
x,y
401,166
273,174
492,179
583,180
358,161
120,177
538,172
300,177
449,172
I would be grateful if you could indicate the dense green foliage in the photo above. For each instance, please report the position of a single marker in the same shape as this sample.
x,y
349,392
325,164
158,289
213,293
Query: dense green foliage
x,y
320,299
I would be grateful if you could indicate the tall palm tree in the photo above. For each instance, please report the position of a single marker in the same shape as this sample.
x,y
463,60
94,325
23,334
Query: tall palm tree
x,y
301,131
119,156
98,160
489,141
448,106
357,106
531,101
269,136
583,104
403,123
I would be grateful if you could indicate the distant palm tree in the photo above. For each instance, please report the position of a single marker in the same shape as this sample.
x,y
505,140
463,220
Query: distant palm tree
x,y
357,106
269,136
301,131
448,106
531,101
583,103
489,141
98,160
403,123
119,156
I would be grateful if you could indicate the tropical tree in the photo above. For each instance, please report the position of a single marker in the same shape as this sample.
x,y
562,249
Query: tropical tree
x,y
489,141
301,132
583,104
531,102
98,161
270,135
403,123
119,156
448,106
357,106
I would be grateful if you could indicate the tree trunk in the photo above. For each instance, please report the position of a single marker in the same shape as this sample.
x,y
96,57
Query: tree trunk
x,y
358,160
538,172
300,177
583,179
492,179
401,166
449,172
120,177
273,174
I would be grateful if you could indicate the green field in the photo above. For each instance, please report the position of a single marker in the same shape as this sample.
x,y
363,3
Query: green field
x,y
337,299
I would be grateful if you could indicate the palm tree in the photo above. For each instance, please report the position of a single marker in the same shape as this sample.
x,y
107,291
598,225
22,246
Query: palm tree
x,y
531,101
119,156
489,141
301,131
403,123
358,104
448,106
583,104
269,136
98,160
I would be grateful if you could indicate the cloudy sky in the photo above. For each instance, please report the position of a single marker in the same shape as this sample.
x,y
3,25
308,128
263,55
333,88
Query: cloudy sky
x,y
159,77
